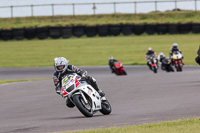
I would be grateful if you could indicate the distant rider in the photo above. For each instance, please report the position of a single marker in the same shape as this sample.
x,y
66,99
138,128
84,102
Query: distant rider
x,y
197,59
111,63
174,48
62,68
161,58
149,53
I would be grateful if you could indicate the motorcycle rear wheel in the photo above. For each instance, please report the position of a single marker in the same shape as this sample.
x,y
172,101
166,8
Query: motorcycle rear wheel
x,y
79,102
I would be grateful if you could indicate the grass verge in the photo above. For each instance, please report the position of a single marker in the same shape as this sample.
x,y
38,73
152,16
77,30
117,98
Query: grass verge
x,y
3,81
85,51
178,126
158,17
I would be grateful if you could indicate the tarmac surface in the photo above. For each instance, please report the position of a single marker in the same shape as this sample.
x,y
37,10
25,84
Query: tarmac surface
x,y
140,97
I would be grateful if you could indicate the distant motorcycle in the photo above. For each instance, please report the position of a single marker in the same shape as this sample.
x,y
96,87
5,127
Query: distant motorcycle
x,y
167,65
119,69
178,61
197,59
84,96
153,63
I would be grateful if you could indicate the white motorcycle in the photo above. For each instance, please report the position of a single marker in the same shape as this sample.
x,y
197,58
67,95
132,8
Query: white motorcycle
x,y
84,96
178,60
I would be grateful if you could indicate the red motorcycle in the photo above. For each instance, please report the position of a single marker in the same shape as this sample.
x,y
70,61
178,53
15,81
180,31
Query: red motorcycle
x,y
119,69
178,61
152,61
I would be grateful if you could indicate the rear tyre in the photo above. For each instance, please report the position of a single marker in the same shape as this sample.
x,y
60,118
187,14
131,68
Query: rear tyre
x,y
84,108
106,108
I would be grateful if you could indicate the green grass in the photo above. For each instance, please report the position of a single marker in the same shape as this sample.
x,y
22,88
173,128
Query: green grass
x,y
159,17
178,126
4,81
94,51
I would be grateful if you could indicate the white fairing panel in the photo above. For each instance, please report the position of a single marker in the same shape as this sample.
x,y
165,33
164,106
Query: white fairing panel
x,y
93,94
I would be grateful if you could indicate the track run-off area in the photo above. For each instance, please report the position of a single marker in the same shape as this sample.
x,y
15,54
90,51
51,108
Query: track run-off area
x,y
138,98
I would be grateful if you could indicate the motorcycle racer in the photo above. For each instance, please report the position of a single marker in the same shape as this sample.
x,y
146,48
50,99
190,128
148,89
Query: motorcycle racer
x,y
197,59
111,63
165,63
150,52
161,57
62,68
174,48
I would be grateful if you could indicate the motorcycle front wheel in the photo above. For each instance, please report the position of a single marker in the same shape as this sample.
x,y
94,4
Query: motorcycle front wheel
x,y
124,72
179,67
154,69
84,108
106,108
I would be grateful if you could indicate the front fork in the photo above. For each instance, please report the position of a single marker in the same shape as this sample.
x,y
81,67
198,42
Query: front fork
x,y
83,96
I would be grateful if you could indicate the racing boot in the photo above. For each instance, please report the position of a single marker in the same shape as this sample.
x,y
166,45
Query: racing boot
x,y
95,86
182,62
101,93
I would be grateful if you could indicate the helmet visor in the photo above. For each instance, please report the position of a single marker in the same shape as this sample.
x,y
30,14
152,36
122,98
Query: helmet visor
x,y
60,67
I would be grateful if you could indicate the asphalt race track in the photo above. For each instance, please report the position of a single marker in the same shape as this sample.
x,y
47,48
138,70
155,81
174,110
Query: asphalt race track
x,y
140,97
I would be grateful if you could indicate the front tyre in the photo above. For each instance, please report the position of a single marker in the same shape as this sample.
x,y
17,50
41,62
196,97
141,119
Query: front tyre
x,y
154,69
106,108
84,108
124,72
179,67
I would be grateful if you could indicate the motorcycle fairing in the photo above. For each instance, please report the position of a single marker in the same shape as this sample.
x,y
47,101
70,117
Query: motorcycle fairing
x,y
72,86
117,64
64,93
92,93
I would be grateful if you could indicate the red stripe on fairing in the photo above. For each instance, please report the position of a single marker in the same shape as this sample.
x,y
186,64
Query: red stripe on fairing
x,y
153,65
64,92
77,82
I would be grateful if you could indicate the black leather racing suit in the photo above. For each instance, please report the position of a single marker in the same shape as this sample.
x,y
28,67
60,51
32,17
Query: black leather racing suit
x,y
147,55
197,59
111,64
173,50
163,62
171,53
